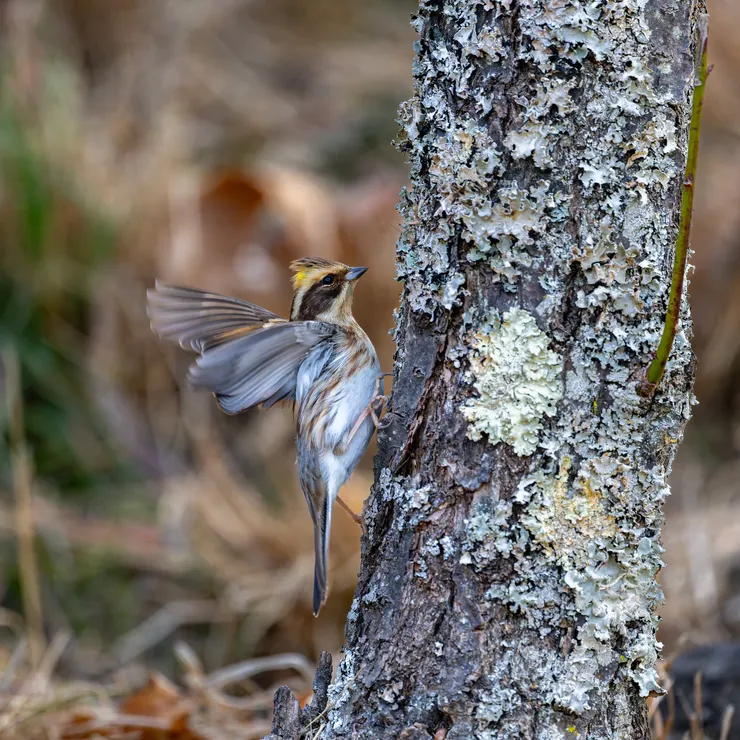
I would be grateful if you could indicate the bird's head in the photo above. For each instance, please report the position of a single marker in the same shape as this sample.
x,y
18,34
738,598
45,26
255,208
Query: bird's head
x,y
322,290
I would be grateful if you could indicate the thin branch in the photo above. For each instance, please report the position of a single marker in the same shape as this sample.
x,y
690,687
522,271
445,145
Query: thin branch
x,y
161,624
670,328
248,668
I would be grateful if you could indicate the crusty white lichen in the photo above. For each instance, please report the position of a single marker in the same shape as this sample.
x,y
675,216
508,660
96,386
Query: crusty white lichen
x,y
518,380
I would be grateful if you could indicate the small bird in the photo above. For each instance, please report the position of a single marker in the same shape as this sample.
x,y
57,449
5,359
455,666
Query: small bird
x,y
321,359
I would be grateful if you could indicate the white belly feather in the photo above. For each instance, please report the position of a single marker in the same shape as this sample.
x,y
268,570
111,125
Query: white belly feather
x,y
343,407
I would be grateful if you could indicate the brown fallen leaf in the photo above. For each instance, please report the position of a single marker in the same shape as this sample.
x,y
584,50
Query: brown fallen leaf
x,y
156,712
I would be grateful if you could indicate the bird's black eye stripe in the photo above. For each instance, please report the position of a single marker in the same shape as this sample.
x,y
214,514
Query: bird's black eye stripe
x,y
319,298
328,279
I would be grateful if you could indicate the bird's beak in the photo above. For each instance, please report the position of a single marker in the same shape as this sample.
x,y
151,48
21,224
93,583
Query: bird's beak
x,y
355,272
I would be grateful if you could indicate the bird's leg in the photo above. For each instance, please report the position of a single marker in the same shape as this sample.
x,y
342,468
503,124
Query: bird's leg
x,y
356,517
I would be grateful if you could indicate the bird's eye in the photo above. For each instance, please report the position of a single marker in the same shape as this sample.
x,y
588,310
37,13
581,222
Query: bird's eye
x,y
328,279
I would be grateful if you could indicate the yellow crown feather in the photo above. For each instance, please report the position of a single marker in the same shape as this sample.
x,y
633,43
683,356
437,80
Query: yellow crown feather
x,y
306,267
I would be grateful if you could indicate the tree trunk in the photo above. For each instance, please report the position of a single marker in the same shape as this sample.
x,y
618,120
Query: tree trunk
x,y
508,583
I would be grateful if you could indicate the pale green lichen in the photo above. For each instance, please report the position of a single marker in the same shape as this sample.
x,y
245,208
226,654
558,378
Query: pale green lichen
x,y
518,379
532,140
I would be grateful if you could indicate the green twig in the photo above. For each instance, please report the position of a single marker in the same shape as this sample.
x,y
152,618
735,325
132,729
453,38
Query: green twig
x,y
657,366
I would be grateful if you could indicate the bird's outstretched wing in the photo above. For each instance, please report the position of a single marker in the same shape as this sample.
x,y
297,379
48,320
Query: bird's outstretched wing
x,y
200,321
248,355
261,367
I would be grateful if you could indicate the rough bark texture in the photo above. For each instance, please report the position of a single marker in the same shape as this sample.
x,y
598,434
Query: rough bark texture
x,y
508,575
289,721
508,584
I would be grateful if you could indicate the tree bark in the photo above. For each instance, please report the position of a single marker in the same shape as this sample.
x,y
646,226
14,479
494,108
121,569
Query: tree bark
x,y
508,582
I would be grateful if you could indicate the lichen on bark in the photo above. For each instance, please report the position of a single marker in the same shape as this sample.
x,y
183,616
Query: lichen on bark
x,y
508,583
518,380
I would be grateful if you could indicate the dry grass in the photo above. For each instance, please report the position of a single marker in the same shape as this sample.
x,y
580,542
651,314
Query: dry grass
x,y
33,705
662,711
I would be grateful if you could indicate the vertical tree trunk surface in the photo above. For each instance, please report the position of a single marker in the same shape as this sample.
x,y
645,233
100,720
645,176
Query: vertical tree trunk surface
x,y
508,584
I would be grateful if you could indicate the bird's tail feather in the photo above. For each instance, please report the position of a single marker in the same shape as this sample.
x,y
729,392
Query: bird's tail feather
x,y
321,556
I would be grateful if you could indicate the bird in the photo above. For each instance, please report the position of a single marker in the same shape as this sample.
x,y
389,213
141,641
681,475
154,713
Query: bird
x,y
320,358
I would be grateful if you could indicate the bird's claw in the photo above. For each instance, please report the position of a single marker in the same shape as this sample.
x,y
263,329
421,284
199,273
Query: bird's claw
x,y
384,423
376,413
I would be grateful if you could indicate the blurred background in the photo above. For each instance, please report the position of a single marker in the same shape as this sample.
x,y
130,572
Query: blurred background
x,y
208,144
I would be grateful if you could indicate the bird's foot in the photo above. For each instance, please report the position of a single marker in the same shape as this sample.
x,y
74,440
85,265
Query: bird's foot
x,y
379,400
376,413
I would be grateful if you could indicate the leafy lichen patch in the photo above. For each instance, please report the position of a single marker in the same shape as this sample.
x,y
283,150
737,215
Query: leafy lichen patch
x,y
518,379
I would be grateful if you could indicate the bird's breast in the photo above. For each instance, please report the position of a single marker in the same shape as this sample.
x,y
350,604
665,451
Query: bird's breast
x,y
339,395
